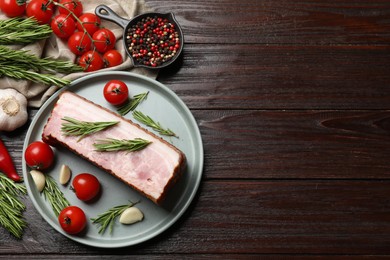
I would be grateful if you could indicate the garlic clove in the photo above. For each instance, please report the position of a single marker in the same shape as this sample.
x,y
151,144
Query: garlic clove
x,y
39,179
131,216
65,174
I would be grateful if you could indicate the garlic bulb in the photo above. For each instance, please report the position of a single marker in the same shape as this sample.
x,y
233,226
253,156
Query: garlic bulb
x,y
13,109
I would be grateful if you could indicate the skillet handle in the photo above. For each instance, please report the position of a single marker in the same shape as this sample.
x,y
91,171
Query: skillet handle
x,y
107,13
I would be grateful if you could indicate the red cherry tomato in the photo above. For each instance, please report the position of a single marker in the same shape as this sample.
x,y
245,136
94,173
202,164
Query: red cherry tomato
x,y
91,61
72,219
116,92
91,23
86,186
39,155
41,10
112,58
74,6
104,40
79,43
63,26
12,8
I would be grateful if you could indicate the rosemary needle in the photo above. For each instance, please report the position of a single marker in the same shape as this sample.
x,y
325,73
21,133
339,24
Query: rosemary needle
x,y
132,104
11,207
111,145
139,116
54,195
30,61
107,218
22,31
75,127
18,73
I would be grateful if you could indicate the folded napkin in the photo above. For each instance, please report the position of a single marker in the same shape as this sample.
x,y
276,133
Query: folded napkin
x,y
56,48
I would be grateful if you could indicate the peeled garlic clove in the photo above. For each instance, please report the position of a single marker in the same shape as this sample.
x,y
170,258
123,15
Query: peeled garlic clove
x,y
131,215
39,179
64,174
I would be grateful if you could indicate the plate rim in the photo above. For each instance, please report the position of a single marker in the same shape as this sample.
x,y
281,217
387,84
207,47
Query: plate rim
x,y
175,217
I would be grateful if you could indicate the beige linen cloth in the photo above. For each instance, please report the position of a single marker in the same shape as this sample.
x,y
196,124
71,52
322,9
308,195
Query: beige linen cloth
x,y
56,48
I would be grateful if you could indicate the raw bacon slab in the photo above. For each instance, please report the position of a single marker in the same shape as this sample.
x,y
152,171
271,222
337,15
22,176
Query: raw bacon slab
x,y
151,171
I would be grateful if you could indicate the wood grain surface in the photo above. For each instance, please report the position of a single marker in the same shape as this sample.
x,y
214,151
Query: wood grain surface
x,y
292,99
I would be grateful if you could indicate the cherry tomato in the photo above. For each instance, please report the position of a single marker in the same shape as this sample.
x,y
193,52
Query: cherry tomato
x,y
72,219
41,10
112,58
104,40
39,155
12,8
91,61
74,6
116,92
79,43
91,23
63,26
86,186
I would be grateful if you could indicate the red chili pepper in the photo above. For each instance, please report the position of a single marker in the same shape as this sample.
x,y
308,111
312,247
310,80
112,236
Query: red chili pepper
x,y
6,164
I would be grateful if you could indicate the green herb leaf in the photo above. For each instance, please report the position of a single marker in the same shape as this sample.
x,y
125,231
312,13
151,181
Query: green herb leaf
x,y
22,31
56,198
20,72
29,61
11,207
107,218
75,127
111,144
139,116
132,104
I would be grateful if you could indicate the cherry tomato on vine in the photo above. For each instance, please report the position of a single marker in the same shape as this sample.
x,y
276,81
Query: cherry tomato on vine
x,y
12,8
41,10
112,58
74,6
116,92
91,61
86,186
72,219
90,22
104,40
39,155
79,43
63,26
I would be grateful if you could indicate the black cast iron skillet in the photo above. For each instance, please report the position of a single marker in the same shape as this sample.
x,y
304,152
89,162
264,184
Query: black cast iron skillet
x,y
107,13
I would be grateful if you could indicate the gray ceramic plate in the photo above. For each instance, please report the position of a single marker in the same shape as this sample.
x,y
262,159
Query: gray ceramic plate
x,y
163,106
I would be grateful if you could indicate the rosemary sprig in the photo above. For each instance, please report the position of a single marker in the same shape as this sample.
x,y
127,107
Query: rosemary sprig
x,y
30,61
17,72
107,218
75,127
11,207
22,31
132,103
56,198
111,144
139,116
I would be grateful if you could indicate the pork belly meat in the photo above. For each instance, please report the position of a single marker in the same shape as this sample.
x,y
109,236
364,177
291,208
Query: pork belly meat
x,y
151,171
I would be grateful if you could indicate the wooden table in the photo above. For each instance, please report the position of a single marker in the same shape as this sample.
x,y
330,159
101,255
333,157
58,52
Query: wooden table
x,y
292,99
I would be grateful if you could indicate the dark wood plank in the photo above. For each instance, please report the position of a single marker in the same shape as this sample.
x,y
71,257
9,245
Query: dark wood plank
x,y
195,256
289,77
296,144
281,22
253,217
